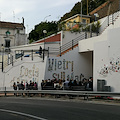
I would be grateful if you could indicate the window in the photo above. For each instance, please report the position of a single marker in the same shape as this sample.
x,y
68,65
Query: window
x,y
84,21
74,23
68,24
7,43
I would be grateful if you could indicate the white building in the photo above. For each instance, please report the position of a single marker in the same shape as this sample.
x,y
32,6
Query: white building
x,y
12,34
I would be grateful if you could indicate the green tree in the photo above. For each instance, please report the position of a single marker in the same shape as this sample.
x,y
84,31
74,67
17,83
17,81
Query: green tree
x,y
92,4
37,33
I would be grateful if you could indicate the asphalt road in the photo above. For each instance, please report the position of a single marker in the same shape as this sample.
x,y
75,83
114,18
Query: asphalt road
x,y
18,108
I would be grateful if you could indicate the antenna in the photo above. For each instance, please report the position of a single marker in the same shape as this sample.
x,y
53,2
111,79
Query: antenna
x,y
13,16
0,16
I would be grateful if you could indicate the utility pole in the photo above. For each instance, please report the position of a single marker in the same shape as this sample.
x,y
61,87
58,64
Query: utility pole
x,y
119,5
87,7
13,16
81,11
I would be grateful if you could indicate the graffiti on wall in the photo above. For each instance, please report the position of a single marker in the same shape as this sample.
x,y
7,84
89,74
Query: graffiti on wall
x,y
54,64
64,66
26,74
114,66
69,77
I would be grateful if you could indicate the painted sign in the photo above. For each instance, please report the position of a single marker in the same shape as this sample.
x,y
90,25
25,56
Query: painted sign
x,y
26,74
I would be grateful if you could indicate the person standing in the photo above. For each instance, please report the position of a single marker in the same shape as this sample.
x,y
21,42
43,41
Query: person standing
x,y
14,86
40,50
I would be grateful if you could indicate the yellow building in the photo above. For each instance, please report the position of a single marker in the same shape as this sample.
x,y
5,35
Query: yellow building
x,y
75,21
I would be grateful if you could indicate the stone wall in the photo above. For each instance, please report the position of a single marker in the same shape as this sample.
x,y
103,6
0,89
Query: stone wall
x,y
111,7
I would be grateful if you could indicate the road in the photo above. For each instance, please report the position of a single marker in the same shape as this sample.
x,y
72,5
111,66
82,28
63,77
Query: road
x,y
17,108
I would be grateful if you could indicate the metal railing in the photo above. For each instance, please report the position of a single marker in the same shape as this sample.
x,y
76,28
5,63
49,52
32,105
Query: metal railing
x,y
72,43
109,20
52,51
7,59
62,92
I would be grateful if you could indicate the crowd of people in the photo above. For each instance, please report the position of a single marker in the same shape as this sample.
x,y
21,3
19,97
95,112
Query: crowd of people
x,y
27,86
55,84
68,84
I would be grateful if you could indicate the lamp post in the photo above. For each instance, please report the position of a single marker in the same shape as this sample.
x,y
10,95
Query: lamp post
x,y
44,31
96,16
81,16
96,19
46,17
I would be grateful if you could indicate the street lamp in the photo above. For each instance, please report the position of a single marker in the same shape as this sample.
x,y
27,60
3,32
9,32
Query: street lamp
x,y
96,16
44,31
46,17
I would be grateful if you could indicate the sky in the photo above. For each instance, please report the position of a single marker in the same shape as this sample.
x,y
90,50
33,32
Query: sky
x,y
34,11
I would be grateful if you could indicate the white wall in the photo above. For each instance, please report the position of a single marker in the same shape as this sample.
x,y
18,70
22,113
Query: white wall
x,y
70,64
107,61
25,71
28,47
88,44
67,36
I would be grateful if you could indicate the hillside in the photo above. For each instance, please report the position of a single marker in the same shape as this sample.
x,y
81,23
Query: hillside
x,y
92,4
52,27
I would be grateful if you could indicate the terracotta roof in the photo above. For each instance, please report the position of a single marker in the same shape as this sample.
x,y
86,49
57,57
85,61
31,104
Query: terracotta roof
x,y
11,25
100,7
54,38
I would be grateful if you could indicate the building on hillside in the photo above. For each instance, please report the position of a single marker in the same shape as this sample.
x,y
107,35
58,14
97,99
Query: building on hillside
x,y
107,8
12,34
75,21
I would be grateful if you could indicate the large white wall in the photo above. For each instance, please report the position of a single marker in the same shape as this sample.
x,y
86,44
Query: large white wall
x,y
107,61
25,71
88,44
70,64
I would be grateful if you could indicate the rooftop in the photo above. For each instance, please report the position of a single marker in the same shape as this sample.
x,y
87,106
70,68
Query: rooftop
x,y
86,16
11,25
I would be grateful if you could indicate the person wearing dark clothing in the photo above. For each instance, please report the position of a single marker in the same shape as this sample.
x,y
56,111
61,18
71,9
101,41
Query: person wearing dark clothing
x,y
42,84
70,84
22,86
14,86
75,83
18,85
40,50
27,86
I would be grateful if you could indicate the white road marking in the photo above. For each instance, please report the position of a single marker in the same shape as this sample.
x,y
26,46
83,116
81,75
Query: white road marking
x,y
23,114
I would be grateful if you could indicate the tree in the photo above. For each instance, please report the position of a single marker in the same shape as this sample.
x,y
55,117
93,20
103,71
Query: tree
x,y
92,4
37,33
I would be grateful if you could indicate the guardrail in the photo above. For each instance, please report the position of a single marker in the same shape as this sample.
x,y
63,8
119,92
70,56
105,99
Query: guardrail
x,y
85,94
